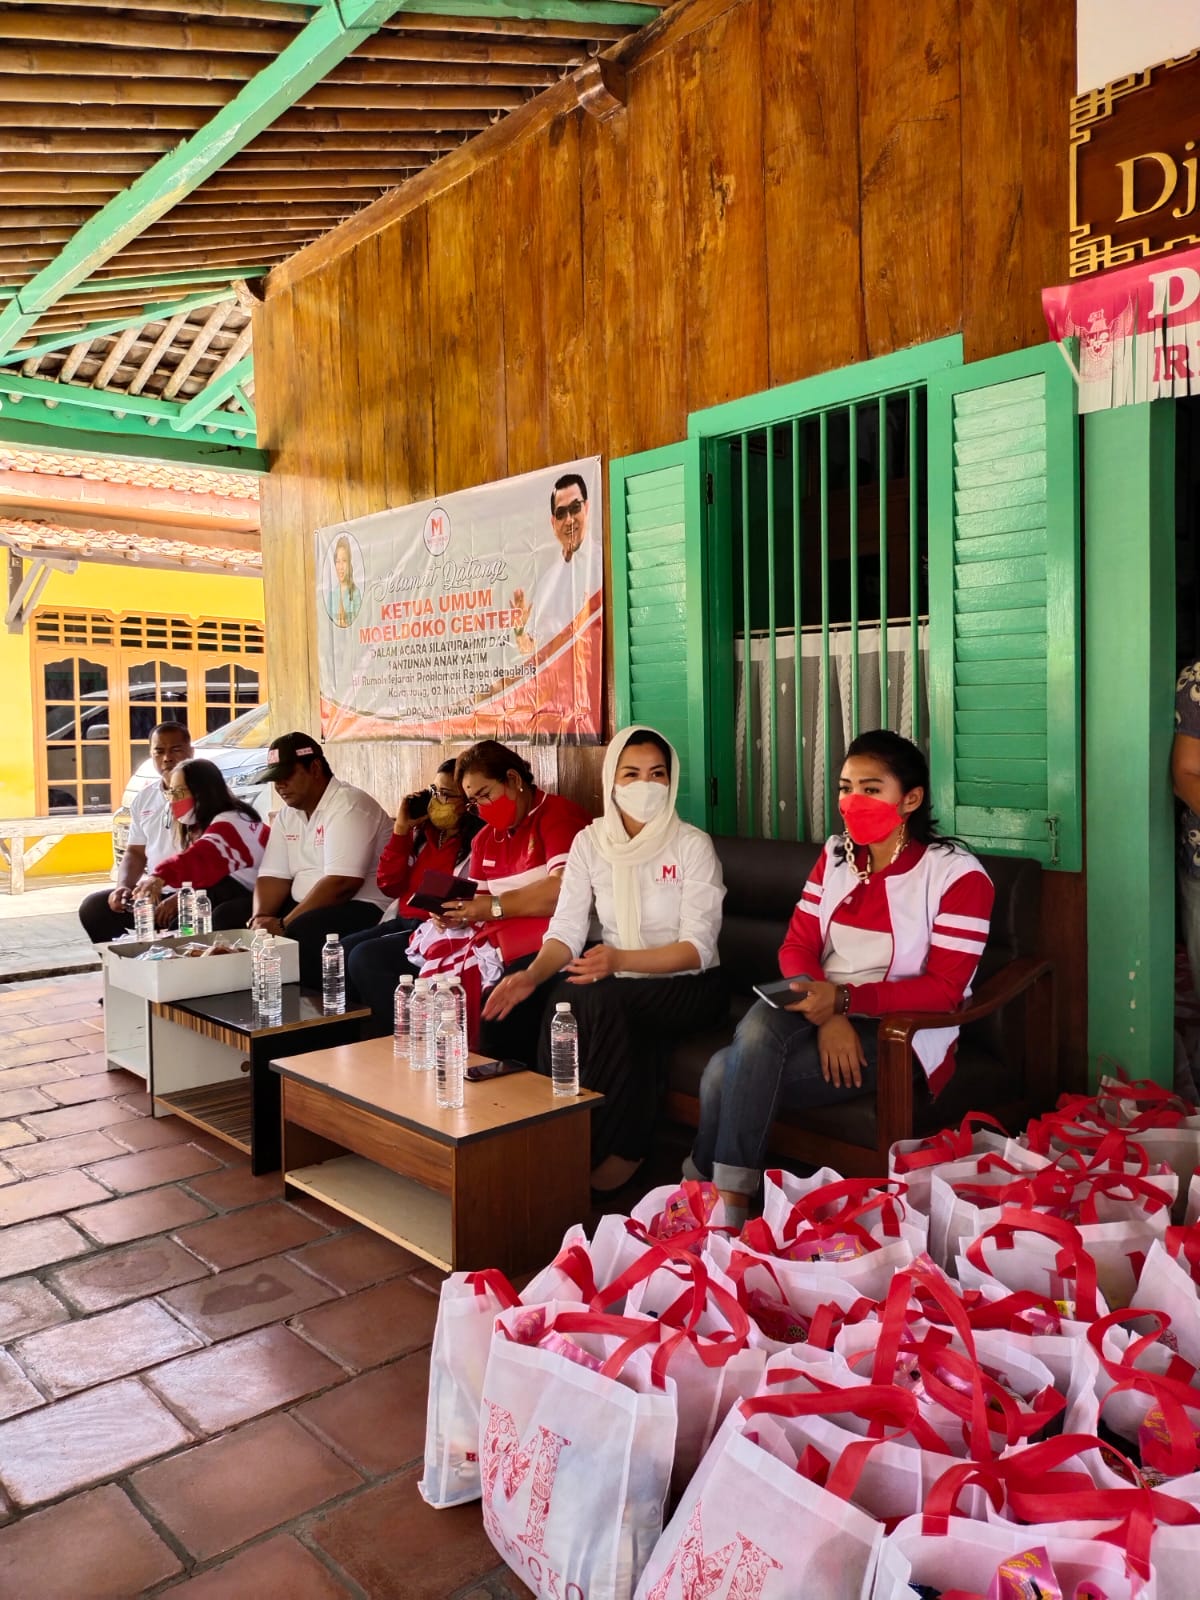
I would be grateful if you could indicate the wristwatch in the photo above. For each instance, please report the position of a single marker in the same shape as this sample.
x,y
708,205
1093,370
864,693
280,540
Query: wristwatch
x,y
497,908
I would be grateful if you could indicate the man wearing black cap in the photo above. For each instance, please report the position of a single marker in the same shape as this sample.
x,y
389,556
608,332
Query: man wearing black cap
x,y
318,873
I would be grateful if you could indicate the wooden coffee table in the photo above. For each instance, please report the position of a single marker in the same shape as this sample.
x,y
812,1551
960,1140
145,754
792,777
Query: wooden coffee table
x,y
209,1061
494,1184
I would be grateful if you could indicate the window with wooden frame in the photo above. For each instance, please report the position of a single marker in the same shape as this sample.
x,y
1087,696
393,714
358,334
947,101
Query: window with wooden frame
x,y
103,682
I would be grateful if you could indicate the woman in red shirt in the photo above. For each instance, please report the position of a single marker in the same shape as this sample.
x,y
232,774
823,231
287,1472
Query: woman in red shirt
x,y
220,842
437,840
517,861
894,917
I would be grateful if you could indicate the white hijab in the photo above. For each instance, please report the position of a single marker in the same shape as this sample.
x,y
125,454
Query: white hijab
x,y
624,855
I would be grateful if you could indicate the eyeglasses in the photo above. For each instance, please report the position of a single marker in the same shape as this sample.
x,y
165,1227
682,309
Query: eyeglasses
x,y
446,795
561,513
473,804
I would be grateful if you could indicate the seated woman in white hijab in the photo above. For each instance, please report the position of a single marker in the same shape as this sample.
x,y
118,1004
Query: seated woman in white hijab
x,y
655,885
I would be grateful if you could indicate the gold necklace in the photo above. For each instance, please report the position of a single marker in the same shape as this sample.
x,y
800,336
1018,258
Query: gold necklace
x,y
864,874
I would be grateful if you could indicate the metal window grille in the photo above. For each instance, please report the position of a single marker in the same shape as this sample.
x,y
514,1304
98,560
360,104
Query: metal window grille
x,y
823,524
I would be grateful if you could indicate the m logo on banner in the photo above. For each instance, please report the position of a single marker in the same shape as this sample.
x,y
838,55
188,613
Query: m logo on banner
x,y
741,1564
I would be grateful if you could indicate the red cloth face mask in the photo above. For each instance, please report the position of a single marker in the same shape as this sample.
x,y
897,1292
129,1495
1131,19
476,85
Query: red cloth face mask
x,y
868,819
182,809
499,813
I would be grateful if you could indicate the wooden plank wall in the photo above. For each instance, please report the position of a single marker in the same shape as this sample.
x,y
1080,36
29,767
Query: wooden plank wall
x,y
792,186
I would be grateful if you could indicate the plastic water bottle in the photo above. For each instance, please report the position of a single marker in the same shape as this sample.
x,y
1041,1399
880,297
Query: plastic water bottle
x,y
185,922
448,1085
270,969
143,918
564,1050
256,949
333,976
201,912
456,991
401,1021
421,1022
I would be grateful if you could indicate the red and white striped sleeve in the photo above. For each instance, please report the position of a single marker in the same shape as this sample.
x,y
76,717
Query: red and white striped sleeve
x,y
956,942
800,952
231,843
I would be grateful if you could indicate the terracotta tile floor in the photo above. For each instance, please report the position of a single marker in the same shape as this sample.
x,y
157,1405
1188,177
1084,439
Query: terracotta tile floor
x,y
204,1389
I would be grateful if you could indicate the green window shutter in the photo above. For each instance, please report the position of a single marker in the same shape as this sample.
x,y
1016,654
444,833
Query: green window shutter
x,y
1004,659
658,595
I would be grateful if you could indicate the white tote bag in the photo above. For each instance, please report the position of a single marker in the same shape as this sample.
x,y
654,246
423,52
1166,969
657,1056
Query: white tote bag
x,y
751,1526
575,1462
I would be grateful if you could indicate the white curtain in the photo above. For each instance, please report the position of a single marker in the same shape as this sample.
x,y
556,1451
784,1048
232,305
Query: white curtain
x,y
774,724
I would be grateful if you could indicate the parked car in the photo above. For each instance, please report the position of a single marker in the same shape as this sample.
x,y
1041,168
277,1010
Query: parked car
x,y
238,749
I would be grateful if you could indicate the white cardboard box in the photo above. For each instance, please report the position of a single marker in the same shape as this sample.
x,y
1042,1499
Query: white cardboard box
x,y
185,979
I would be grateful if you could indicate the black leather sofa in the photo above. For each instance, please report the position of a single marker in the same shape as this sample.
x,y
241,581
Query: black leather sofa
x,y
1007,1051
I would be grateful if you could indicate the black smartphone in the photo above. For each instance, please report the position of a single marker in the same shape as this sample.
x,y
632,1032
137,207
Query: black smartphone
x,y
483,1070
418,804
779,993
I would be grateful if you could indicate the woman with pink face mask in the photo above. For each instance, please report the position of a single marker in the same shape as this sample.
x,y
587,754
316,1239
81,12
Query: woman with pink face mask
x,y
517,861
893,918
220,843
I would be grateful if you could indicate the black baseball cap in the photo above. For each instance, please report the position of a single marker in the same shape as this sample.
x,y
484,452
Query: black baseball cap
x,y
284,754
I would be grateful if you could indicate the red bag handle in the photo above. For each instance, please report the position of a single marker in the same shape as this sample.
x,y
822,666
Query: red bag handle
x,y
1072,1252
861,1196
635,1333
1183,1244
1005,1314
926,1285
951,1144
492,1281
881,1405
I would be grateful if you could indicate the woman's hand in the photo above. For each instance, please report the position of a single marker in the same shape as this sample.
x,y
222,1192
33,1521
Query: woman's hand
x,y
462,913
841,1053
149,884
508,994
817,1005
601,961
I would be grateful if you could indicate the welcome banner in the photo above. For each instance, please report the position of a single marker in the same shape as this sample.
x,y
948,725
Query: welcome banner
x,y
1138,330
478,615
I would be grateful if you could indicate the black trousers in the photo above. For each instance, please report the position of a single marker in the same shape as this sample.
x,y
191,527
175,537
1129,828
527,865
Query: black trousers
x,y
624,1026
517,1035
309,930
230,902
375,962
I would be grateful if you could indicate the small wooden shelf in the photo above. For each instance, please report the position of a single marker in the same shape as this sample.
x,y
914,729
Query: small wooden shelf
x,y
404,1211
220,1108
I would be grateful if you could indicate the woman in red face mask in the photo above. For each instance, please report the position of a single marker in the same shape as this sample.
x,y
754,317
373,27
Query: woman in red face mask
x,y
517,861
893,918
220,842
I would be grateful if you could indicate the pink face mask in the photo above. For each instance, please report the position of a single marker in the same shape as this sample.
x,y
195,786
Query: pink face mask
x,y
868,819
183,809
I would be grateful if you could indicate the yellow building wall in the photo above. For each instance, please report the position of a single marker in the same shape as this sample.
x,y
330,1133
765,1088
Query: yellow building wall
x,y
96,588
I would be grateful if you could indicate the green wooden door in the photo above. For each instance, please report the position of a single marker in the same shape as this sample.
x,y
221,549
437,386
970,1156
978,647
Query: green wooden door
x,y
1004,605
660,643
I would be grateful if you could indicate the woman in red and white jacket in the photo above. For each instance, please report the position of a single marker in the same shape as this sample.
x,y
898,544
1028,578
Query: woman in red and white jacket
x,y
221,840
893,918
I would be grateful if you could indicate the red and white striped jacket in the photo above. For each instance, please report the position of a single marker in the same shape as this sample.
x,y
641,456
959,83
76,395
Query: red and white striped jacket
x,y
910,939
230,847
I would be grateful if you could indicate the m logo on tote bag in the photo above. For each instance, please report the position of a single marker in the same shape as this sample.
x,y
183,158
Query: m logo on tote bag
x,y
507,1459
743,1563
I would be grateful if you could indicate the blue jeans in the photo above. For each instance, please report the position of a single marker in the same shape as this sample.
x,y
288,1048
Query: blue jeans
x,y
772,1063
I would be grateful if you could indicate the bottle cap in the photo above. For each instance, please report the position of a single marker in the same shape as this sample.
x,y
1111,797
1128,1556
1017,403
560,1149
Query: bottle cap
x,y
563,1005
423,984
406,981
331,938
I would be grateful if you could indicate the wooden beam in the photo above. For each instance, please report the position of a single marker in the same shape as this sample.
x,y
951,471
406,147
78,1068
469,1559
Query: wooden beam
x,y
156,352
114,358
15,388
100,330
150,283
248,10
199,345
84,436
214,394
75,357
80,92
232,356
327,39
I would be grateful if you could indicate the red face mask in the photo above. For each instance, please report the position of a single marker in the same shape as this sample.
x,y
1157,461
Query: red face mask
x,y
868,819
499,813
182,808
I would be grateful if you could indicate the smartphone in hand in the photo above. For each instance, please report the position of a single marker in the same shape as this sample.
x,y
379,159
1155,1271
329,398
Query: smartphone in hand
x,y
418,804
779,992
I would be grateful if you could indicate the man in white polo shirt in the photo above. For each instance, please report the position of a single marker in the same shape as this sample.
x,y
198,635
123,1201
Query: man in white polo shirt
x,y
318,873
109,912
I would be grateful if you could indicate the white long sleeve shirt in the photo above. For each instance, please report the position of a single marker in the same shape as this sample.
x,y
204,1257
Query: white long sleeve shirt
x,y
681,892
